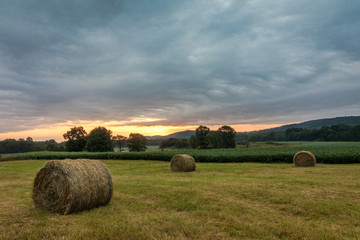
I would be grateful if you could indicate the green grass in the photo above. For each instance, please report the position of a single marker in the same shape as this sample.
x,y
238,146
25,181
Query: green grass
x,y
218,201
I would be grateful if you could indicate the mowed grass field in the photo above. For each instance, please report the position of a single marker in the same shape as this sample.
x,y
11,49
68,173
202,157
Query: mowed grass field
x,y
218,201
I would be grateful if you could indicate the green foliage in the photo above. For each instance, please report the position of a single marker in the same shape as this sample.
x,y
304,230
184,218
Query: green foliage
x,y
176,143
167,143
317,124
76,139
28,145
154,142
214,139
99,140
325,152
182,143
339,132
120,141
16,146
136,142
202,139
226,136
193,142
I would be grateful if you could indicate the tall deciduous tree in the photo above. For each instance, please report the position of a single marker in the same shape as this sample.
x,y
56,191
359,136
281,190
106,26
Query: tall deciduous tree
x,y
166,143
202,136
193,142
99,140
136,142
76,139
226,137
120,141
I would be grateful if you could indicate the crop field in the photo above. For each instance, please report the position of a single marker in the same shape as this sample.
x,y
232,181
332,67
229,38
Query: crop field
x,y
217,201
325,152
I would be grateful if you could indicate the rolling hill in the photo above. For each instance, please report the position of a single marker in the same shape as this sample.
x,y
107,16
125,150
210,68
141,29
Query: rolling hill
x,y
312,124
316,124
182,134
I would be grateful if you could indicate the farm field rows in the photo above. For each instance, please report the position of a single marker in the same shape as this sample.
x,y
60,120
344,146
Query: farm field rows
x,y
325,152
218,201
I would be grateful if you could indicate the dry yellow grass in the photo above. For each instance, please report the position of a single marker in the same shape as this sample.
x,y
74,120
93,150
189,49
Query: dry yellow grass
x,y
241,201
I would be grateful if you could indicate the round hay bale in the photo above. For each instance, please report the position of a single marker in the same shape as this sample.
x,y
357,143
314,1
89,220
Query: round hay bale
x,y
182,163
70,186
304,159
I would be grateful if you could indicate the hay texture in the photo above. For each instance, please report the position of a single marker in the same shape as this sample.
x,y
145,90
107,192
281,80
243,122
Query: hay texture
x,y
182,163
70,186
304,159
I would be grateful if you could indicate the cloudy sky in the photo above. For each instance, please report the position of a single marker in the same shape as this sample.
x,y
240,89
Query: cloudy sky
x,y
171,65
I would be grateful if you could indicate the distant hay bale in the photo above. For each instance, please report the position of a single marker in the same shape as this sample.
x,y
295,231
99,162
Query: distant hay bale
x,y
304,159
182,163
70,186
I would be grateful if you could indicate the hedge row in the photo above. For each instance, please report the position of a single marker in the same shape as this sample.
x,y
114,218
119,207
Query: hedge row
x,y
263,155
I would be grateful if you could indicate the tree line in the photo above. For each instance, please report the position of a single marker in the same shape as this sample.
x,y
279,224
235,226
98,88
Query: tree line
x,y
226,137
101,139
29,145
338,132
77,139
204,138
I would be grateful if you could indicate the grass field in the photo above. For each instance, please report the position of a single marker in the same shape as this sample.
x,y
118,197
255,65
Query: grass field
x,y
218,201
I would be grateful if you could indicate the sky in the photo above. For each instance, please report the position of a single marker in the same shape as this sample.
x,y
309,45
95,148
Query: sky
x,y
161,66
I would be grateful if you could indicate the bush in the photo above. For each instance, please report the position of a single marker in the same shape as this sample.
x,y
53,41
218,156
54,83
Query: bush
x,y
330,155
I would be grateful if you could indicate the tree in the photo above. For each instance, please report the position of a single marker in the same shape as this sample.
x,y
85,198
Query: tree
x,y
293,134
214,139
76,139
202,134
168,142
356,133
9,146
226,135
253,137
182,143
193,142
25,146
120,141
99,140
136,142
51,145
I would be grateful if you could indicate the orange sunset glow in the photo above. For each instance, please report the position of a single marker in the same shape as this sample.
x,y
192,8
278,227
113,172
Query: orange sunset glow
x,y
56,131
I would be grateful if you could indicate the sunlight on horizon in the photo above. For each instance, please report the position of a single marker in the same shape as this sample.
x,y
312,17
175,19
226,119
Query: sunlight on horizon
x,y
56,131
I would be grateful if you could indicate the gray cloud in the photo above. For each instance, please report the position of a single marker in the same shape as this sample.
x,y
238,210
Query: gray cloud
x,y
202,62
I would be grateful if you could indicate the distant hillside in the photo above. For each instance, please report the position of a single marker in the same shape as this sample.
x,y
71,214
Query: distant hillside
x,y
313,124
316,124
183,134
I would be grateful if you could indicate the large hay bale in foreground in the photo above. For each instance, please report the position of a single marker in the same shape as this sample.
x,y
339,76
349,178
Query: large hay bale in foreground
x,y
304,159
182,163
69,186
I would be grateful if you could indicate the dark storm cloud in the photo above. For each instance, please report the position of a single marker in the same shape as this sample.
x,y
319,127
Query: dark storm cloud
x,y
186,62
